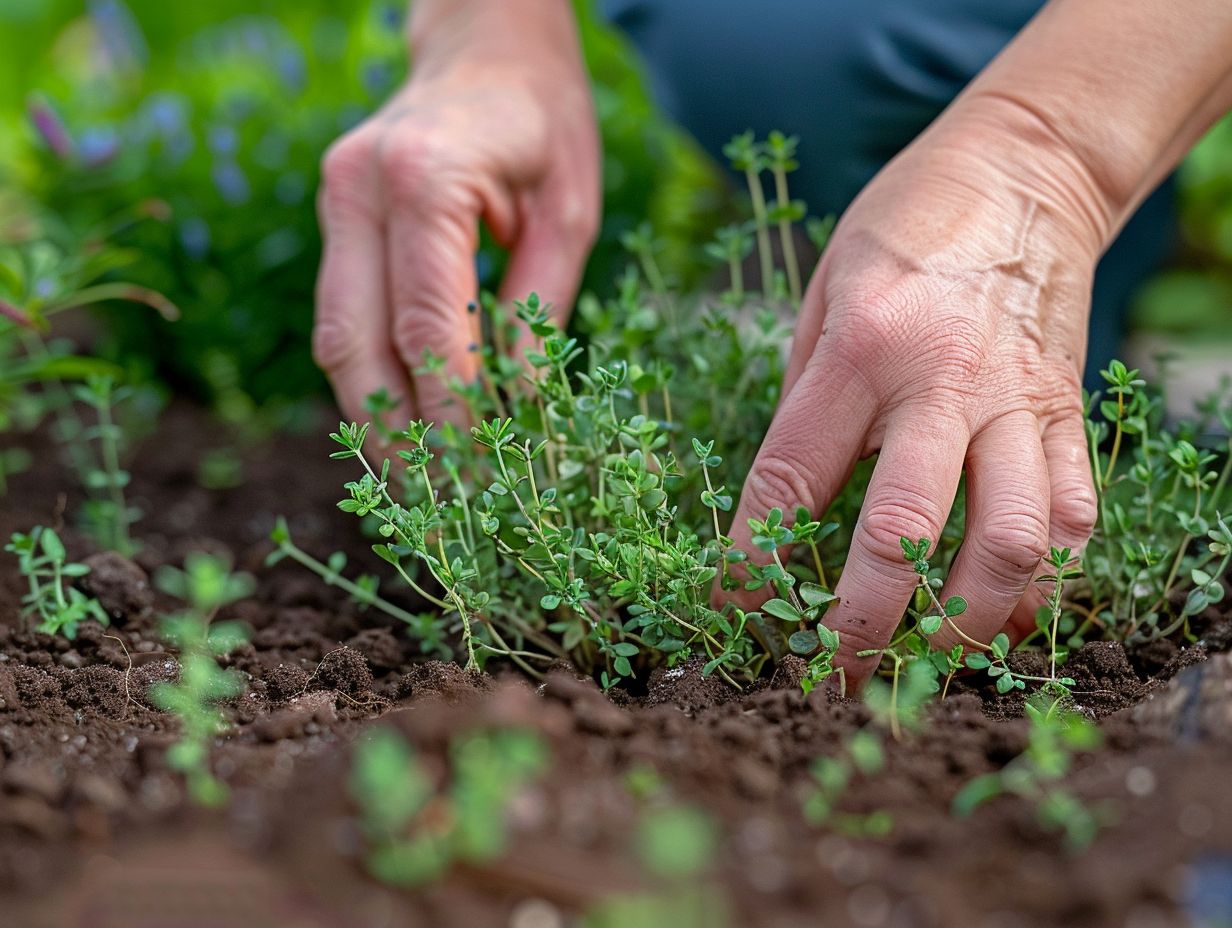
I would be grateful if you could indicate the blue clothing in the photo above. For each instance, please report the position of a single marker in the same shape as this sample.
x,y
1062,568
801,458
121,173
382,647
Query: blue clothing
x,y
856,80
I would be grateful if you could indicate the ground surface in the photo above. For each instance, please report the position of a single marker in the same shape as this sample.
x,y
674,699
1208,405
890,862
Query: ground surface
x,y
94,829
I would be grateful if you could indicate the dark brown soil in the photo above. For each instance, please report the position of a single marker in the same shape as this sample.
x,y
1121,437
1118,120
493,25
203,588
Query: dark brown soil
x,y
95,829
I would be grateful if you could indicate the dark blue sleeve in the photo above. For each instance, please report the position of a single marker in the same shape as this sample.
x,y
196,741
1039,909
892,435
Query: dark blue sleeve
x,y
857,80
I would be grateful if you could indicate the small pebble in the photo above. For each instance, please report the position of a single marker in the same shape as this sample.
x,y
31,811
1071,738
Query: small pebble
x,y
1140,781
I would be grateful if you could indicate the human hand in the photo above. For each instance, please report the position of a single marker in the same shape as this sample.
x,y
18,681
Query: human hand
x,y
945,329
494,124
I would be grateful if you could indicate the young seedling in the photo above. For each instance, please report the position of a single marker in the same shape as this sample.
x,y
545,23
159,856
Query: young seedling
x,y
1057,736
862,754
1152,510
39,279
58,607
989,657
414,831
206,584
1063,567
675,845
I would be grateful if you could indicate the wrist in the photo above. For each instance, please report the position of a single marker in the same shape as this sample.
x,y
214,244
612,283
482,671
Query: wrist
x,y
482,35
1015,145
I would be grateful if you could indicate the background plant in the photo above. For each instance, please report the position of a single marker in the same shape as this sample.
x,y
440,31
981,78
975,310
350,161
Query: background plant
x,y
225,110
44,272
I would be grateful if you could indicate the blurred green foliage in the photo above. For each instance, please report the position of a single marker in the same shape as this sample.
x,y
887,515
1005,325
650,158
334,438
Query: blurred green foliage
x,y
223,110
1194,297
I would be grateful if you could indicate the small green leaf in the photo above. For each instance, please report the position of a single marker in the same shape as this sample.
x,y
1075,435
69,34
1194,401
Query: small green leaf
x,y
782,609
814,594
804,642
1000,645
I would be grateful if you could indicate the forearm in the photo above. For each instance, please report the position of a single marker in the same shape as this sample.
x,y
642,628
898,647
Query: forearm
x,y
1115,93
439,32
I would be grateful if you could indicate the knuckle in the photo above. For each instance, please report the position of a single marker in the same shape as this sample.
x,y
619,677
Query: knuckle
x,y
411,171
885,523
1076,511
579,221
907,330
777,479
334,343
413,331
345,168
1018,540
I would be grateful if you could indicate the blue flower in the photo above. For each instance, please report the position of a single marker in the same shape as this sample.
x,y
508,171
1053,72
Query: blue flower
x,y
195,237
98,145
223,140
231,182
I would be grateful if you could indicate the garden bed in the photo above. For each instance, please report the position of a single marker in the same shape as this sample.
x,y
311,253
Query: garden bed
x,y
95,826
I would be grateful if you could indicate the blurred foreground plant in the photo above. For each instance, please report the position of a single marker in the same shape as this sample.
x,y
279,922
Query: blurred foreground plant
x,y
206,584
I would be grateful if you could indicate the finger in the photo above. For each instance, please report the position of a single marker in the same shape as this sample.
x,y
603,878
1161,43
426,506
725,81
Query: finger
x,y
350,338
1007,527
548,258
433,234
814,441
809,328
1073,507
909,496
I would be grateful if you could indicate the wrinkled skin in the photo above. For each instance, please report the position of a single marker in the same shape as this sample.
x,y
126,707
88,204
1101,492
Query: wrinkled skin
x,y
945,329
400,206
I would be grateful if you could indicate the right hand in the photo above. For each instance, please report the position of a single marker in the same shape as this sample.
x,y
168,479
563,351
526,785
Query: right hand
x,y
495,124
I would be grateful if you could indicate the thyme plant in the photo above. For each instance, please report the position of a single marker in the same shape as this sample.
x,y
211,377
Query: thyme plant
x,y
583,516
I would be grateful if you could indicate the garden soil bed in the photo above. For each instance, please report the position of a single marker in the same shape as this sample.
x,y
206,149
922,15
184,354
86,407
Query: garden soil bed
x,y
95,830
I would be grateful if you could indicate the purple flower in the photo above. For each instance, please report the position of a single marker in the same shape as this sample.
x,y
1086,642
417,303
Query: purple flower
x,y
98,145
222,140
290,67
390,16
376,76
165,113
195,237
119,33
231,182
50,128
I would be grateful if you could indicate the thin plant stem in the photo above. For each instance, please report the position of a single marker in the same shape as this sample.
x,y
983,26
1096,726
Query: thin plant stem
x,y
758,196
